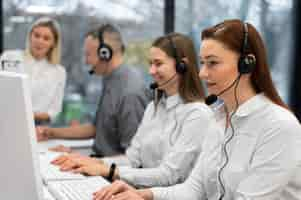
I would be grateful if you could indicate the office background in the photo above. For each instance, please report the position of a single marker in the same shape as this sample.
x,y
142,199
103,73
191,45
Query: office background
x,y
140,22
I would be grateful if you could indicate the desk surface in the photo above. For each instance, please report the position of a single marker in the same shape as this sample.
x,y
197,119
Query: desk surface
x,y
82,146
78,143
46,194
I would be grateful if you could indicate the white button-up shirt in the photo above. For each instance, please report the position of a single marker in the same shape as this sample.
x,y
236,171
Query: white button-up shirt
x,y
47,81
264,159
167,143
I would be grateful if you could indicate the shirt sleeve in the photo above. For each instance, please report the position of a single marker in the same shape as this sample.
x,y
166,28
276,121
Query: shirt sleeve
x,y
273,164
178,162
202,176
55,106
120,160
191,189
133,152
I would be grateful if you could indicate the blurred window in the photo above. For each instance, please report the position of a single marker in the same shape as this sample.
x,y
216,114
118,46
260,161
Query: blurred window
x,y
140,21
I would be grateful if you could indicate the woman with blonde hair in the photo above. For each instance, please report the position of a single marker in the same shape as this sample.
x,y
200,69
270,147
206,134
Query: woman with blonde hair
x,y
41,61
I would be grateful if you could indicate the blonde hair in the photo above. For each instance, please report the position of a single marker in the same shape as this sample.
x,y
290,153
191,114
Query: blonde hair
x,y
54,54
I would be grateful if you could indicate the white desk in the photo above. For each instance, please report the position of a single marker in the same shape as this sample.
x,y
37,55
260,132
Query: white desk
x,y
82,146
46,194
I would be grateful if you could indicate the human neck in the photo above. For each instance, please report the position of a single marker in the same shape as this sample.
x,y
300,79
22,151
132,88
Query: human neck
x,y
172,88
242,95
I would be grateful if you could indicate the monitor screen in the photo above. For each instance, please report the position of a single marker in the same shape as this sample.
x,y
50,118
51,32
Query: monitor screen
x,y
19,174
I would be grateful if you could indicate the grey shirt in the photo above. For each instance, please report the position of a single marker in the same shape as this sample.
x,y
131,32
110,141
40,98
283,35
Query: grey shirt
x,y
119,111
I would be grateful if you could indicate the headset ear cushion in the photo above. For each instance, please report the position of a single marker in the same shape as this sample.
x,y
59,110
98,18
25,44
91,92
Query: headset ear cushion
x,y
246,64
181,67
105,52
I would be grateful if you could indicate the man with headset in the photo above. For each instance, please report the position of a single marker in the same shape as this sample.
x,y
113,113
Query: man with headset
x,y
122,103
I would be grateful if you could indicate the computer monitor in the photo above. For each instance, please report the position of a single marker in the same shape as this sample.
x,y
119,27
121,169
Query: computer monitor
x,y
19,170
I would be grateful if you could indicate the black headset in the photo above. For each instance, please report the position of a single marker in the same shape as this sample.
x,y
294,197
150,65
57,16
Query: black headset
x,y
246,63
104,51
181,67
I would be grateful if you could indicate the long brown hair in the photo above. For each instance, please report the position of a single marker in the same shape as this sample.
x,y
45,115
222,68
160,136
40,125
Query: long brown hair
x,y
190,88
231,34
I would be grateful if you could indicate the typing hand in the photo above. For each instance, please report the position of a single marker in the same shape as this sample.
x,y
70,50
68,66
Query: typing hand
x,y
91,167
61,148
43,133
115,190
65,161
72,161
128,195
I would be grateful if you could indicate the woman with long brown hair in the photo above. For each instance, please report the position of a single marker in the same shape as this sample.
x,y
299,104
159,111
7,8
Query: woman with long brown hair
x,y
169,138
259,155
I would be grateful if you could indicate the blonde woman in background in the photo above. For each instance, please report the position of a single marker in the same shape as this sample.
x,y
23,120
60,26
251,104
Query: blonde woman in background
x,y
41,61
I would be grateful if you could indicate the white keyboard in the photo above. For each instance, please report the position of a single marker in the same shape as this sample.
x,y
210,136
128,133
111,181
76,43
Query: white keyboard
x,y
51,172
76,189
46,194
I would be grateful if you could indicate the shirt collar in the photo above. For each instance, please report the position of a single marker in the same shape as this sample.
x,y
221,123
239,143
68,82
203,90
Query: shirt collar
x,y
171,101
41,61
251,105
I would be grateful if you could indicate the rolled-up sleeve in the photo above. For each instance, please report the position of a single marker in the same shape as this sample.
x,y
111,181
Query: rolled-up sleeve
x,y
194,188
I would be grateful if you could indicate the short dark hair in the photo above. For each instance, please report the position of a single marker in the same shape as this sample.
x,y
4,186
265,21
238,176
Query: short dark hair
x,y
111,33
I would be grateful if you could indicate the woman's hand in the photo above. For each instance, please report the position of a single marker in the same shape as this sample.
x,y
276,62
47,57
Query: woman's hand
x,y
43,133
81,164
91,168
116,188
61,148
